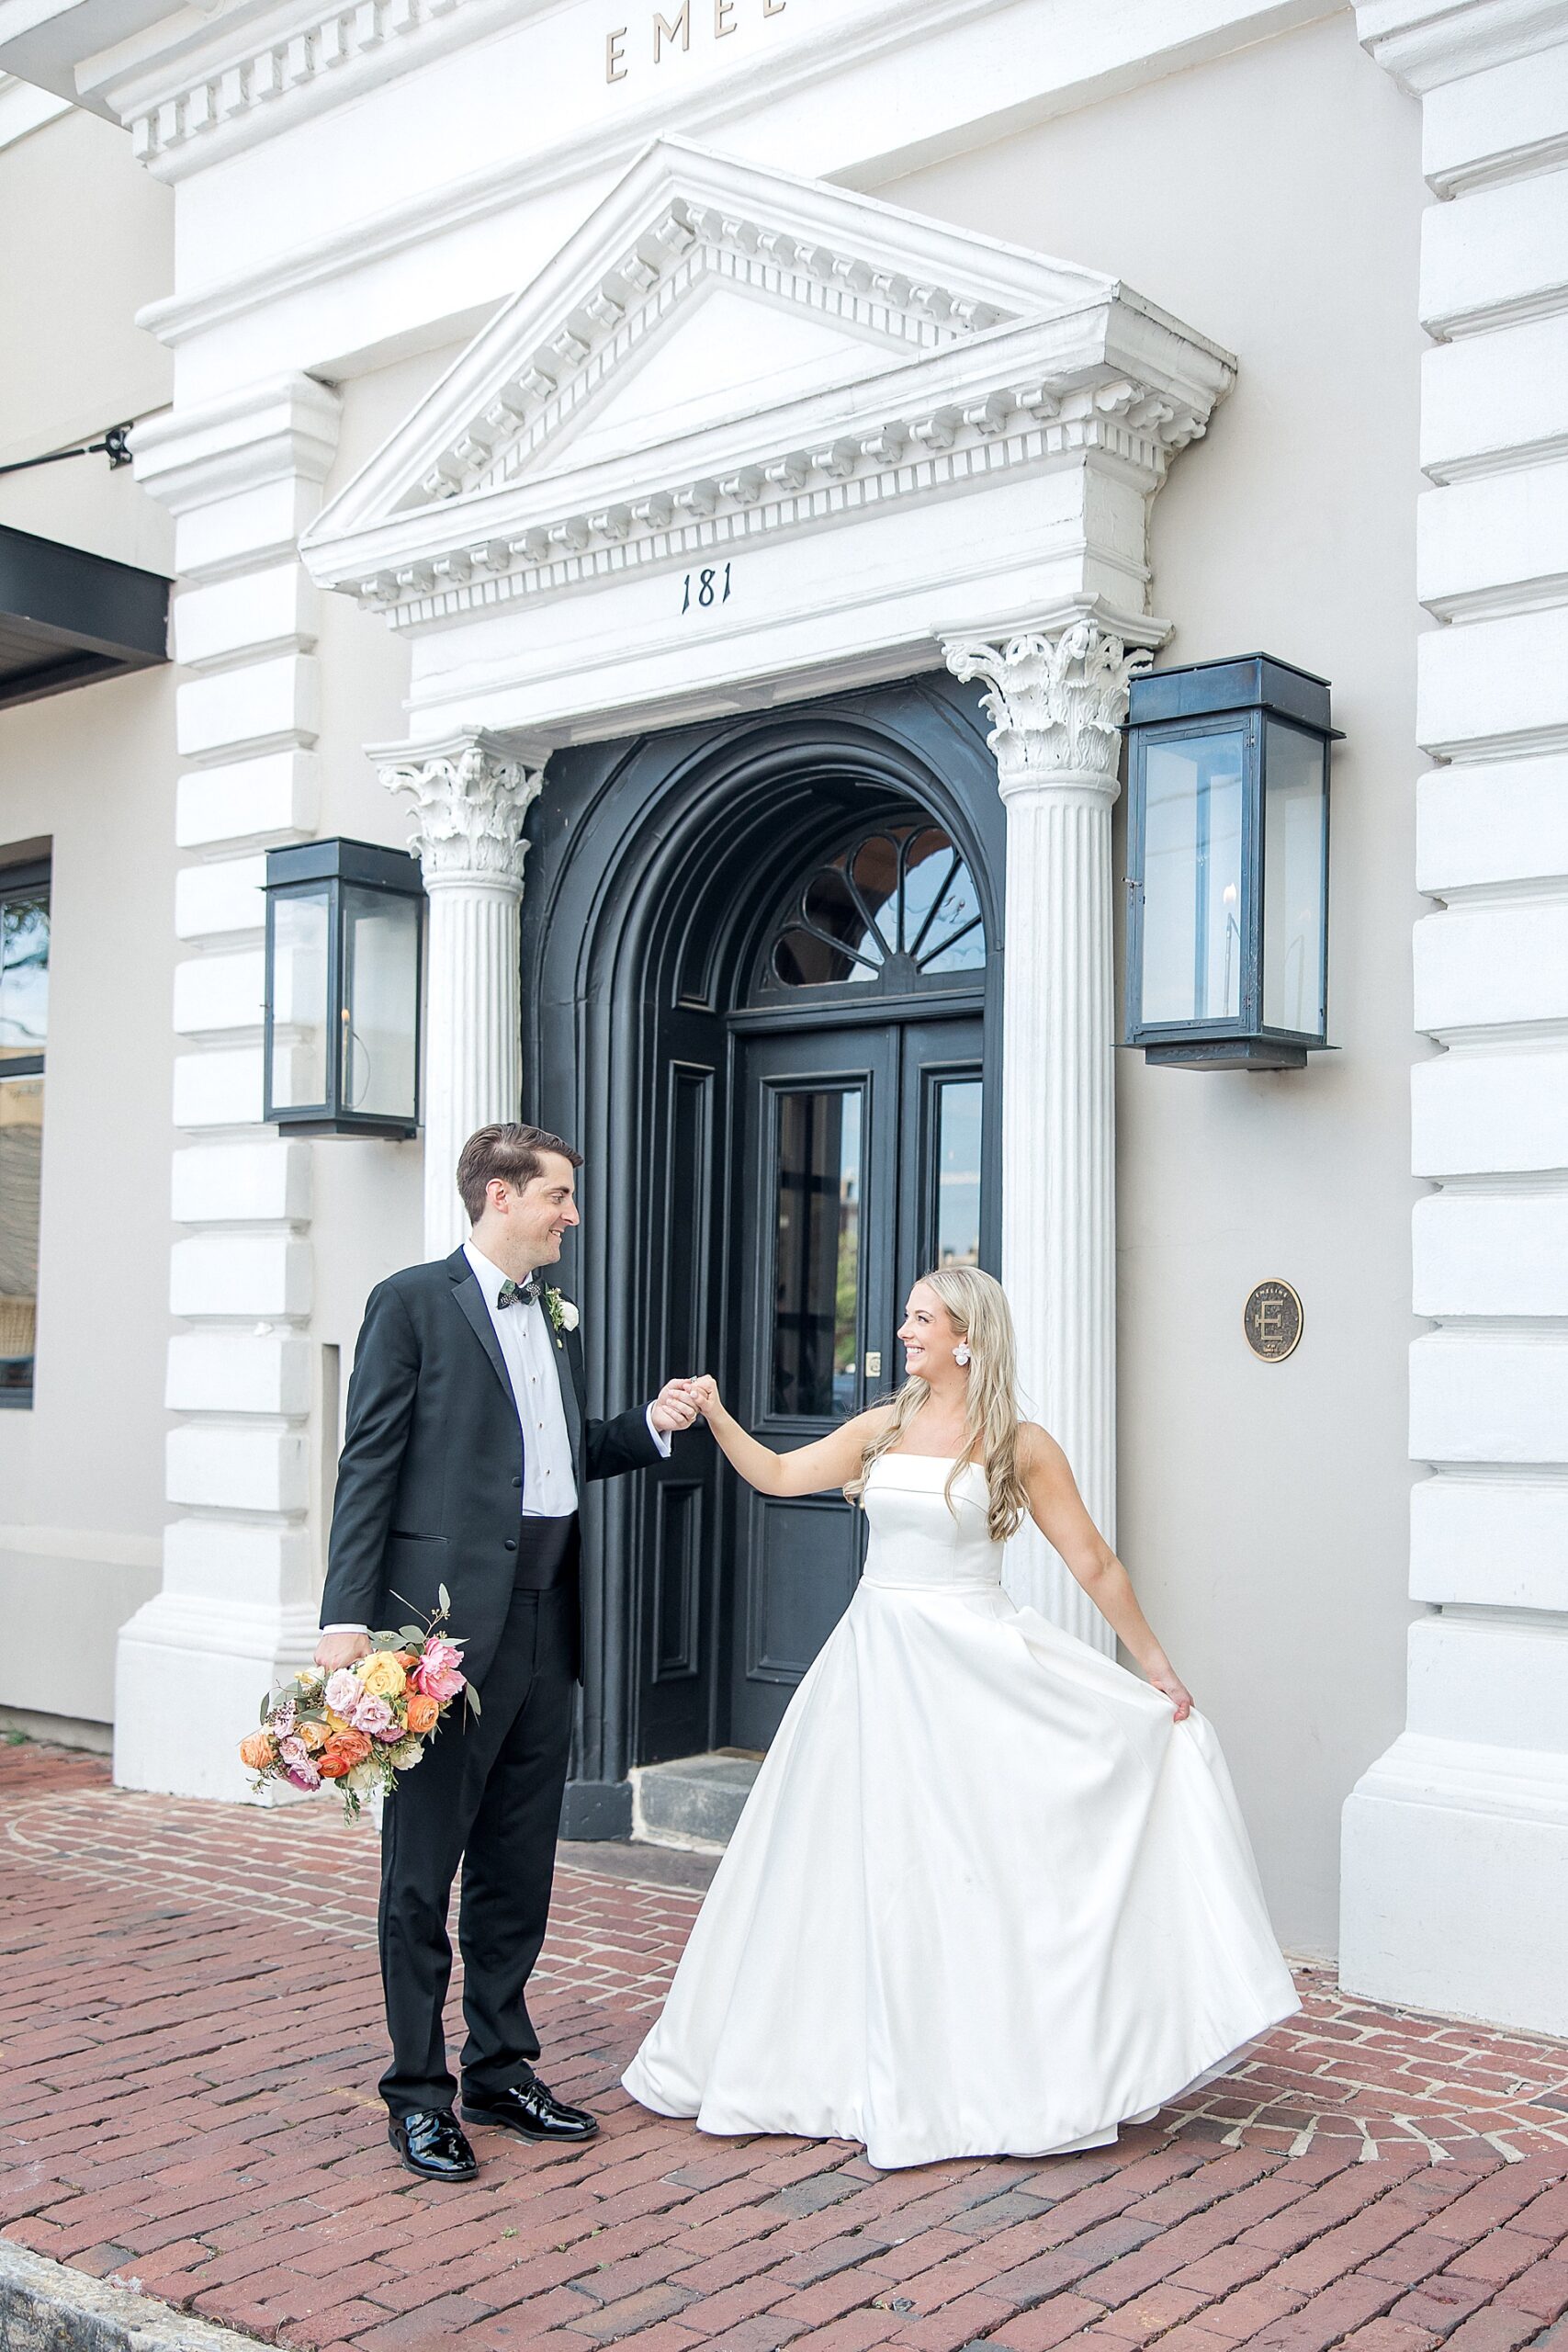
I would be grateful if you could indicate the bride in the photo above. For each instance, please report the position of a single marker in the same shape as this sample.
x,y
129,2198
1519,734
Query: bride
x,y
991,1895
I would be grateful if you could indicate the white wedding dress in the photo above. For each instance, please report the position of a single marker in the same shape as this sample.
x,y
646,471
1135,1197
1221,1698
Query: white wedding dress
x,y
987,1897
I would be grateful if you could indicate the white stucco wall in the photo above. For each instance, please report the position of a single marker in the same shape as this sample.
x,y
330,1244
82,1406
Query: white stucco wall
x,y
80,1473
1276,195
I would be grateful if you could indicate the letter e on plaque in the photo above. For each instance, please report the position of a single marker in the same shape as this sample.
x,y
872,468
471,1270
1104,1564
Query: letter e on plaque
x,y
1272,1321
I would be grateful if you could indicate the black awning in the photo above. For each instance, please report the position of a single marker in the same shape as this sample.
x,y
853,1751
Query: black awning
x,y
67,617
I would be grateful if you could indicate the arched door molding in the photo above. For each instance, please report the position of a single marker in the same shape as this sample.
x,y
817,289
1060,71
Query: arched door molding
x,y
655,867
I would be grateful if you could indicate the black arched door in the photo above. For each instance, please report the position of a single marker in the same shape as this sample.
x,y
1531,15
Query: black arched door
x,y
762,971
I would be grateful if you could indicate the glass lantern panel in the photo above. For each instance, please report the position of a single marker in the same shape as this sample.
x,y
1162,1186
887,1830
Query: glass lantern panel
x,y
380,983
1192,936
1294,805
301,978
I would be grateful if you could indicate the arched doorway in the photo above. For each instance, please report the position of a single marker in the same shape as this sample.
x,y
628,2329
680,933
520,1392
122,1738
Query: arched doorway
x,y
758,962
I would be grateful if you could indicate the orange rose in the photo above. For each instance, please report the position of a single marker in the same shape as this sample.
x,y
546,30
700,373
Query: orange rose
x,y
332,1763
257,1752
352,1743
423,1714
408,1660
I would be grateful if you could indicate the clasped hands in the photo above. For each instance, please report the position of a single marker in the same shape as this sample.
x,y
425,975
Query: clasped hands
x,y
680,1402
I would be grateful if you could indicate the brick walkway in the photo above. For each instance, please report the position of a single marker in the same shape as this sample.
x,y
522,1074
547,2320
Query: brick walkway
x,y
190,2037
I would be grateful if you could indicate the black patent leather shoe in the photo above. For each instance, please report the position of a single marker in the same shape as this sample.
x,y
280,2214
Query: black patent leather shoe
x,y
534,2113
431,2146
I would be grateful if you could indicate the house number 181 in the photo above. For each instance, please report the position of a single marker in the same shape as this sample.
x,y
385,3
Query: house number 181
x,y
706,588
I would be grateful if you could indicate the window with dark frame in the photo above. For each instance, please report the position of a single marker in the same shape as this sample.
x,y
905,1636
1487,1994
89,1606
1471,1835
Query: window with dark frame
x,y
24,1023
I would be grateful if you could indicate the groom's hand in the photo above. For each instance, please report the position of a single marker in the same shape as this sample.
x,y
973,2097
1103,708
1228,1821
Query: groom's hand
x,y
673,1409
335,1650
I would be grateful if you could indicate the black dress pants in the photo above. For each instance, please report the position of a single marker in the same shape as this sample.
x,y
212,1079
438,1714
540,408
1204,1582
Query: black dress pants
x,y
487,1792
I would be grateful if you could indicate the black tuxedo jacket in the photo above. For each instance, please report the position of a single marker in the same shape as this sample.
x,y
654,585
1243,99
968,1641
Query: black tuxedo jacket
x,y
430,1480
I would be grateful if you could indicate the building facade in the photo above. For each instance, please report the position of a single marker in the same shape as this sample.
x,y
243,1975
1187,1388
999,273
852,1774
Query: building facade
x,y
707,479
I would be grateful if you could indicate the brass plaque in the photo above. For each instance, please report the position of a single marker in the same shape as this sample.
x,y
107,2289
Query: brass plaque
x,y
1272,1321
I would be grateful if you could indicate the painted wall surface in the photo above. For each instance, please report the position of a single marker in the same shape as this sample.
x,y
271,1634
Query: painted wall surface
x,y
80,1473
87,237
1274,197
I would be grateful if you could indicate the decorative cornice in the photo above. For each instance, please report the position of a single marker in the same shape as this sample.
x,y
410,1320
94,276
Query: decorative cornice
x,y
471,796
1115,380
1425,43
1058,705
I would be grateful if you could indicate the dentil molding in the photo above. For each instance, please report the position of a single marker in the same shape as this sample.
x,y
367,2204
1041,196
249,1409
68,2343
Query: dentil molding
x,y
1057,703
471,796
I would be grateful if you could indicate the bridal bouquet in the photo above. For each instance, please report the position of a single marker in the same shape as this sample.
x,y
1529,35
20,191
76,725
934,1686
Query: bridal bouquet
x,y
366,1724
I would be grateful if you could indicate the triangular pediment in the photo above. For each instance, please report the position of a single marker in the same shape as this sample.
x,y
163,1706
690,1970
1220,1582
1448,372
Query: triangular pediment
x,y
699,290
723,340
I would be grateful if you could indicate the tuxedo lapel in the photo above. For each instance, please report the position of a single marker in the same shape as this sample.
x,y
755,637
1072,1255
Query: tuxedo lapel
x,y
468,1299
566,1372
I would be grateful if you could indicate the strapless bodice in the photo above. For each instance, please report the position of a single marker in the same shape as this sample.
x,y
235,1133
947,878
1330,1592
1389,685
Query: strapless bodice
x,y
917,1542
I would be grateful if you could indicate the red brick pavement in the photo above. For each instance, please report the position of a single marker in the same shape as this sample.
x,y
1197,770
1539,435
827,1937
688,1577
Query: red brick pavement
x,y
190,2037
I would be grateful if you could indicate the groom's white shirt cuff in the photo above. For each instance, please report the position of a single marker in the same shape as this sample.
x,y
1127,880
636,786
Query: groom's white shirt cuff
x,y
661,1438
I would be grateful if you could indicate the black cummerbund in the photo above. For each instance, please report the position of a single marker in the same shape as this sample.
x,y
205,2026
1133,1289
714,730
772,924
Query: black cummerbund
x,y
546,1553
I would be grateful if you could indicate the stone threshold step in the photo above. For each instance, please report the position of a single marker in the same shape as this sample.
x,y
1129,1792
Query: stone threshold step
x,y
692,1801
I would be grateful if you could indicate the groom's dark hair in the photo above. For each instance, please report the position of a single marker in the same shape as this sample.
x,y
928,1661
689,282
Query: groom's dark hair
x,y
510,1150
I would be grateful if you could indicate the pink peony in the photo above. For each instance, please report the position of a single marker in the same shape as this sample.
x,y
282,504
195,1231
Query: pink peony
x,y
342,1693
438,1673
292,1748
374,1716
297,1763
303,1776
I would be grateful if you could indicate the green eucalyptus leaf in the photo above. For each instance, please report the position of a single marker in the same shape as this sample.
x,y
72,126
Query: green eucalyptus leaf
x,y
472,1697
411,1634
444,1597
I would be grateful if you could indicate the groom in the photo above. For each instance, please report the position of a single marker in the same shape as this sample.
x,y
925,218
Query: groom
x,y
469,1442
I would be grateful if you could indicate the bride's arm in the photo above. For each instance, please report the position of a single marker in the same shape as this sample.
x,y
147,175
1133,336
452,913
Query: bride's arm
x,y
1057,1509
811,1469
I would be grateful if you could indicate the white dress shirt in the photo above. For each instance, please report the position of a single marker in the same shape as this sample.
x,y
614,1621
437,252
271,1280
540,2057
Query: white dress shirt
x,y
528,1351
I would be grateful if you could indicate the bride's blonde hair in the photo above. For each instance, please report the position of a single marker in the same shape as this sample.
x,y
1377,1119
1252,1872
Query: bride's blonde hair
x,y
982,1322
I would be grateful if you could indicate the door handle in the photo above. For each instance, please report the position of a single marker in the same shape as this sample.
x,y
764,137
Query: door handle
x,y
874,1364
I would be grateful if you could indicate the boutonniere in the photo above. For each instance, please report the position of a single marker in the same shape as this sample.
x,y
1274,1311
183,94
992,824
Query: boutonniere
x,y
562,1312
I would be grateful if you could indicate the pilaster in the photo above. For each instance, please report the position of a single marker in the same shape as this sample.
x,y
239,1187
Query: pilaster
x,y
250,1390
1057,703
471,796
1455,1889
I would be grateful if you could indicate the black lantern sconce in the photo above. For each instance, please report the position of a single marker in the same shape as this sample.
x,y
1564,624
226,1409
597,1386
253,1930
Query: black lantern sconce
x,y
1227,864
344,921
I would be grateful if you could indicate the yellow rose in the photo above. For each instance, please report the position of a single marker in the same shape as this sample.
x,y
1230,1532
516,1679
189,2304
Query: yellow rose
x,y
382,1675
336,1723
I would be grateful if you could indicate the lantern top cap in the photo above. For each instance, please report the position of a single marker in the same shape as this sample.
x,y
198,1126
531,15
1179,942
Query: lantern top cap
x,y
344,861
1215,689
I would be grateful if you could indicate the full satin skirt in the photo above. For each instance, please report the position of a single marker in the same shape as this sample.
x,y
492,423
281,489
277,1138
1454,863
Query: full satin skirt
x,y
987,1897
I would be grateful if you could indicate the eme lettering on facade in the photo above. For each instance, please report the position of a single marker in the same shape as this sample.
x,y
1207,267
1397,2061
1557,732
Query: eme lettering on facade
x,y
672,32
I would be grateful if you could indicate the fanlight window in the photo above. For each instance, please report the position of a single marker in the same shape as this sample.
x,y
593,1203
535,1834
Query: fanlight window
x,y
897,907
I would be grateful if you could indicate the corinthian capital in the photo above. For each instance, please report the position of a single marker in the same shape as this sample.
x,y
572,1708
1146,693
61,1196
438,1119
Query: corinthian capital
x,y
471,800
1056,704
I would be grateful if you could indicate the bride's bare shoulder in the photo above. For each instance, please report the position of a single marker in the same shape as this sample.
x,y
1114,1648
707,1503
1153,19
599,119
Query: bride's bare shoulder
x,y
1037,1451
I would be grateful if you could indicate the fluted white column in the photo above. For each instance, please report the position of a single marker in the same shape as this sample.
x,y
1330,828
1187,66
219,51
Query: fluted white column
x,y
472,798
1057,704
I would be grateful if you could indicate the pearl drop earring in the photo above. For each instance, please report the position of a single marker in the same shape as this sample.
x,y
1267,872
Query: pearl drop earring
x,y
961,1355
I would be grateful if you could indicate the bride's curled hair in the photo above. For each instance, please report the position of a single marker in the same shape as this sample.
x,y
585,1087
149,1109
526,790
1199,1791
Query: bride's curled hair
x,y
982,1321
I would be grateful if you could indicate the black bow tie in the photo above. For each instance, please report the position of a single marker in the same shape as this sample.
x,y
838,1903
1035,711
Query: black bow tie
x,y
521,1294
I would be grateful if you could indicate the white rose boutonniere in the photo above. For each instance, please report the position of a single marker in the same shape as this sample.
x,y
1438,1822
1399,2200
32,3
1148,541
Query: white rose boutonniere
x,y
562,1312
